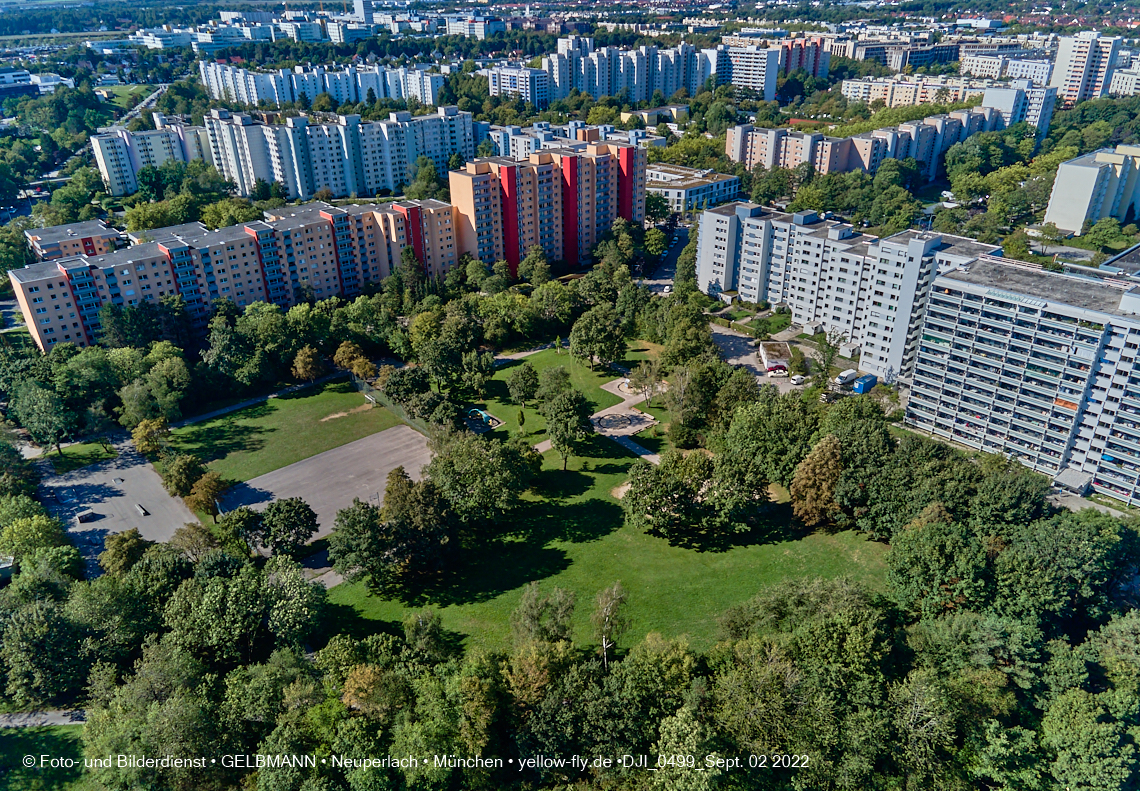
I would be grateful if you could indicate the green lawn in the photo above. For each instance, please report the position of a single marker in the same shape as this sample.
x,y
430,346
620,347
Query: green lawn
x,y
636,351
264,437
124,92
736,314
77,456
586,379
57,741
572,536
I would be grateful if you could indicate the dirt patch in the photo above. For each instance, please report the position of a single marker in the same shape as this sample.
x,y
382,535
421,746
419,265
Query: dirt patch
x,y
618,492
335,415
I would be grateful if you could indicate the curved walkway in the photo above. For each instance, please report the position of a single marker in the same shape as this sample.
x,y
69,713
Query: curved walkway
x,y
620,422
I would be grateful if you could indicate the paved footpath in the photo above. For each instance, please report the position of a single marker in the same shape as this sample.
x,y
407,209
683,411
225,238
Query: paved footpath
x,y
38,719
620,422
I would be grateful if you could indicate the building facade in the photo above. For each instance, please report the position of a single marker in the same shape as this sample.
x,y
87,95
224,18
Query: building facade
x,y
688,189
870,290
304,83
1036,365
120,154
1104,183
332,251
348,157
1084,66
926,141
93,237
564,199
530,85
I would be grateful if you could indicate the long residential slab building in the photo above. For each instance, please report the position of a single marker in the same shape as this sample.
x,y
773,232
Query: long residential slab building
x,y
999,355
562,200
346,156
926,140
869,289
1037,365
354,84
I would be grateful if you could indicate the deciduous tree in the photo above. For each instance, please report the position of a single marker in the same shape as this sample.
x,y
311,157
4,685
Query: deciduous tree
x,y
567,423
205,494
813,487
611,618
288,524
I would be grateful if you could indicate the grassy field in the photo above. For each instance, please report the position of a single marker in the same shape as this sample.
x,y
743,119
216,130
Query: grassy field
x,y
57,741
77,456
264,437
586,379
571,536
124,92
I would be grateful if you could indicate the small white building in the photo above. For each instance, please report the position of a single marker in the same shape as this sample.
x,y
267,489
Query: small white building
x,y
688,189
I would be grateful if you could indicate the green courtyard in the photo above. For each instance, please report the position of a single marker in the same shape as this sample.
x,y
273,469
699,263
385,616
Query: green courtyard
x,y
583,377
55,741
571,535
261,438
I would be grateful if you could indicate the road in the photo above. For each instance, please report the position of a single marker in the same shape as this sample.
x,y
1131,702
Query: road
x,y
9,313
667,269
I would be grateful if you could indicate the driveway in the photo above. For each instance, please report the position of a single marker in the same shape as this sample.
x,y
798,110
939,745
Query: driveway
x,y
667,269
736,349
331,480
111,489
9,310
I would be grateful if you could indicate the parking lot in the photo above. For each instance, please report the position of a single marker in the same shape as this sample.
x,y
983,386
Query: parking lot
x,y
112,490
331,480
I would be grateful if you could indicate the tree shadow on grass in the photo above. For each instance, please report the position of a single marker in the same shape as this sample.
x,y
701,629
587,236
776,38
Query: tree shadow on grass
x,y
485,572
772,525
581,522
231,433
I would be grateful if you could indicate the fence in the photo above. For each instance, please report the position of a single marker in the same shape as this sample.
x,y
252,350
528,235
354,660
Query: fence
x,y
377,397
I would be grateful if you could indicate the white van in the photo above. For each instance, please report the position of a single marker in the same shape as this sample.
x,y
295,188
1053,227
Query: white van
x,y
847,377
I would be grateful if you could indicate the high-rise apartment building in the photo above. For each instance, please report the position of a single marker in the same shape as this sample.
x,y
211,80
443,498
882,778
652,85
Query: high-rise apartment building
x,y
926,141
871,290
1022,100
348,157
1084,66
608,71
756,69
332,251
1104,183
562,199
530,85
351,84
1036,365
120,154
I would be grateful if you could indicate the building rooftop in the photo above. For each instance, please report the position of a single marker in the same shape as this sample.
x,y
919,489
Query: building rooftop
x,y
37,271
957,245
1091,290
75,230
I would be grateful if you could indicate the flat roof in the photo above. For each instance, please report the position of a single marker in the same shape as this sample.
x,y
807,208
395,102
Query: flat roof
x,y
75,230
37,271
960,245
1079,291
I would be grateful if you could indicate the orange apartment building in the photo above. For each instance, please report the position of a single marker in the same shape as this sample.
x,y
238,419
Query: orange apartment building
x,y
93,237
332,251
564,199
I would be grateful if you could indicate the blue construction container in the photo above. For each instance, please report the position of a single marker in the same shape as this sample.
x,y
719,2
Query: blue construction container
x,y
864,383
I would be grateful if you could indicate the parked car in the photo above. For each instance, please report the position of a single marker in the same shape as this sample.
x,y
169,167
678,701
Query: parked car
x,y
798,379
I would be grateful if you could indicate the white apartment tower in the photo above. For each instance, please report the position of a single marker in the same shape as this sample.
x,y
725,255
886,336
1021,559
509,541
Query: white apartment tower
x,y
871,290
1084,66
